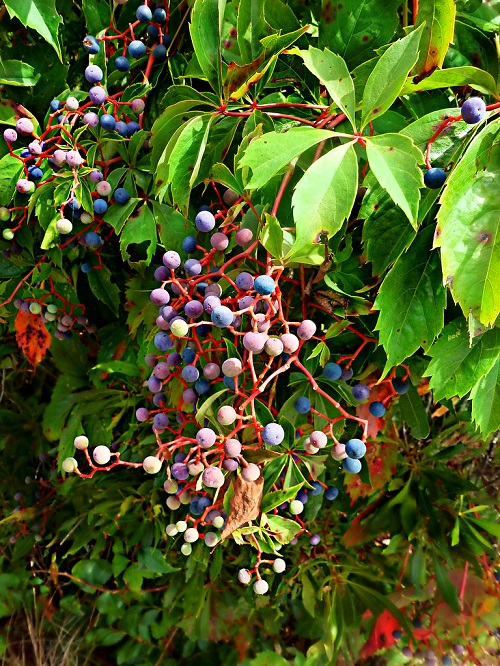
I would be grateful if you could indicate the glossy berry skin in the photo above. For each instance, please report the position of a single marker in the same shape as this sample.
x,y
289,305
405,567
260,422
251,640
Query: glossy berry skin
x,y
159,15
122,64
91,45
400,386
121,195
473,110
376,409
360,392
100,206
302,405
144,14
97,95
188,355
434,178
189,244
222,316
264,285
136,49
93,74
273,434
204,221
352,466
121,128
355,449
332,371
331,493
10,135
159,52
107,121
132,127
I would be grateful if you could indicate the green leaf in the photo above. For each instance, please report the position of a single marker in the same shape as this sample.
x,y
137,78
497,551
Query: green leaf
x,y
221,174
141,228
388,76
173,227
457,365
284,528
185,157
95,572
97,15
240,78
271,236
10,171
468,230
411,301
387,233
41,15
206,34
154,560
271,152
120,367
438,17
394,160
414,414
61,401
446,587
118,214
308,594
251,27
356,28
272,500
103,289
417,567
486,401
332,71
17,73
324,197
454,77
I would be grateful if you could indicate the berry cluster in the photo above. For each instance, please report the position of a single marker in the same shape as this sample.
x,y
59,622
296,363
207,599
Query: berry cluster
x,y
226,348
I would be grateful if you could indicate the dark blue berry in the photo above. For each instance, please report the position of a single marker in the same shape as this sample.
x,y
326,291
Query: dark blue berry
x,y
434,178
122,64
400,386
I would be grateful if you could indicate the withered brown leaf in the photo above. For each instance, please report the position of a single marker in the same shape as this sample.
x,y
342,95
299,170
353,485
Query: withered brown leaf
x,y
244,504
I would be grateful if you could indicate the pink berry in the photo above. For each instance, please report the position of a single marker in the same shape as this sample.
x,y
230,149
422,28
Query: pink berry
x,y
290,343
254,342
138,105
24,126
226,415
243,237
73,158
10,135
213,477
103,188
306,330
251,472
232,448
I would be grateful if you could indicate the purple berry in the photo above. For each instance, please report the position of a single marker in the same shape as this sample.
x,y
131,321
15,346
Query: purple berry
x,y
154,384
24,126
306,330
213,477
314,539
179,471
193,309
163,342
211,371
10,135
219,241
290,343
360,392
473,110
204,221
244,281
93,74
192,267
171,260
243,237
97,95
273,434
160,296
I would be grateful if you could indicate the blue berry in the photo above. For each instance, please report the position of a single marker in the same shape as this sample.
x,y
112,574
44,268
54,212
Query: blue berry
x,y
302,405
122,64
188,355
132,127
446,661
153,31
399,386
396,634
121,128
352,466
162,341
434,178
204,221
376,409
360,392
160,421
91,45
166,39
159,15
190,373
347,374
160,400
331,493
229,383
273,434
100,206
355,448
144,14
317,488
86,268
332,371
107,121
159,52
203,330
55,105
92,239
202,387
136,49
264,285
222,316
121,195
35,173
189,244
473,110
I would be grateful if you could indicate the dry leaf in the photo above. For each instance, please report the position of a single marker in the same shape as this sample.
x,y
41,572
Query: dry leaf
x,y
244,504
32,336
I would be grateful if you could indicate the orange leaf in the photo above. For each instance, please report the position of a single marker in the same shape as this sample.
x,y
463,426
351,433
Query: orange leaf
x,y
32,336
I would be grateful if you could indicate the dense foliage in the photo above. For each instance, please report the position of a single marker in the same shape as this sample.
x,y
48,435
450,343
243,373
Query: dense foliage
x,y
250,402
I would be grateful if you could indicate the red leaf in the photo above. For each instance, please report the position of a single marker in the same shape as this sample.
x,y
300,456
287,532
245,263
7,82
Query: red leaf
x,y
378,393
32,336
381,636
